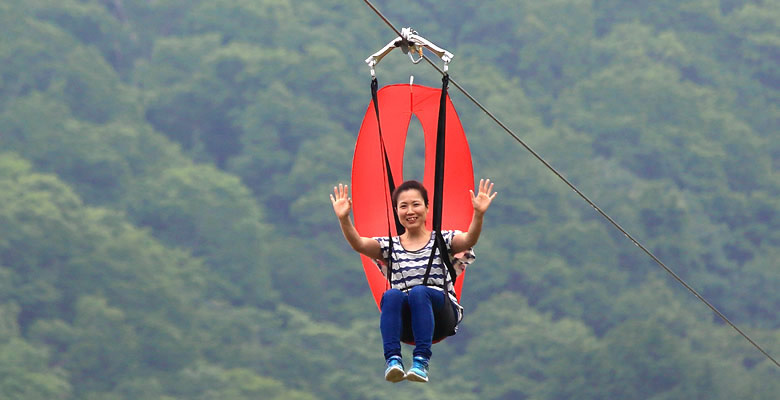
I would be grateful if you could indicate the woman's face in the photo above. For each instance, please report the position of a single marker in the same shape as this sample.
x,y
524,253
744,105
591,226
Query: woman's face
x,y
411,209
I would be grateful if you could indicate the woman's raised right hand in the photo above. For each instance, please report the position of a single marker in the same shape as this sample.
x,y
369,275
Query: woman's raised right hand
x,y
342,203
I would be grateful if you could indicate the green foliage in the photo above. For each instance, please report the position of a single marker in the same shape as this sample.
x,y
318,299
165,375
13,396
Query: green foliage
x,y
165,231
39,225
25,371
105,347
530,344
25,374
94,24
99,160
211,213
271,21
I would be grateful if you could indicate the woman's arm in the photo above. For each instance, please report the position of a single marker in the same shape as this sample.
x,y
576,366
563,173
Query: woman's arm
x,y
342,204
481,202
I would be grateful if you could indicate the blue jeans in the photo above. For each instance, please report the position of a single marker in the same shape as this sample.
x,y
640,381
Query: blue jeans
x,y
416,307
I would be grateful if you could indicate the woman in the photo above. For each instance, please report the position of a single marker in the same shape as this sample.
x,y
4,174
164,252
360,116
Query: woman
x,y
408,298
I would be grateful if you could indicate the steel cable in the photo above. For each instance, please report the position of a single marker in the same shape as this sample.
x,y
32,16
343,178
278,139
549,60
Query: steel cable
x,y
584,197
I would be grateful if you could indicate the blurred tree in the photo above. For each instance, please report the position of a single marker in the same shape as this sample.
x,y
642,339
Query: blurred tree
x,y
200,112
100,161
105,347
748,51
25,371
95,23
32,51
173,60
640,360
518,344
267,23
753,297
39,225
289,145
547,45
755,33
693,15
664,113
212,215
204,381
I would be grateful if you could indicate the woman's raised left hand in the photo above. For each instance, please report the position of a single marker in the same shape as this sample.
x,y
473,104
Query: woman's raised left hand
x,y
484,197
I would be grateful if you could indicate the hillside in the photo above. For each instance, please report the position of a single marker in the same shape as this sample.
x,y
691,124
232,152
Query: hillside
x,y
166,234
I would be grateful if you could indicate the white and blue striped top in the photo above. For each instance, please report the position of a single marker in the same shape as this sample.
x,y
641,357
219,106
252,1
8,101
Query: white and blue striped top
x,y
409,265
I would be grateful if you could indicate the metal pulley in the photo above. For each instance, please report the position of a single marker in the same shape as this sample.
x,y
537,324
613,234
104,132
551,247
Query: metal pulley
x,y
410,42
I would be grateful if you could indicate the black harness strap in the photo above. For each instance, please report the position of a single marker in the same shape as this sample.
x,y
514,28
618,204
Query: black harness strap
x,y
390,183
438,188
447,320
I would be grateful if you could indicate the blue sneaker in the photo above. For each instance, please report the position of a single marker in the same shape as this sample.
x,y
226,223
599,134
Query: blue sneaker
x,y
419,370
395,369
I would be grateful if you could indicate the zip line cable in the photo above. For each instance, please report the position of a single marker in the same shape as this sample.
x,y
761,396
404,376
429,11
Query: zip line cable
x,y
584,197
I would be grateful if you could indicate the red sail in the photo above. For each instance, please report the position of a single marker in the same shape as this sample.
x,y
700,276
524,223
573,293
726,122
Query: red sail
x,y
371,203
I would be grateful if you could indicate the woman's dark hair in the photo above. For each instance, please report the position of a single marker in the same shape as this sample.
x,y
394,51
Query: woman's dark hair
x,y
410,185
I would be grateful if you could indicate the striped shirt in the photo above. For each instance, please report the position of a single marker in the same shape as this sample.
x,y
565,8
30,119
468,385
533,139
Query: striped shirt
x,y
409,266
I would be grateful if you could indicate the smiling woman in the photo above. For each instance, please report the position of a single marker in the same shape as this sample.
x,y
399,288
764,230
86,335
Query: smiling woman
x,y
411,203
420,264
421,305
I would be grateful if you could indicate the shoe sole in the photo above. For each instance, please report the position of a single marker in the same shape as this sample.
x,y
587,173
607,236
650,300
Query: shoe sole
x,y
411,376
395,375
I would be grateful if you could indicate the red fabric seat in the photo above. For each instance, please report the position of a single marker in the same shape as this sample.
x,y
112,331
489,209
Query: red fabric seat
x,y
371,205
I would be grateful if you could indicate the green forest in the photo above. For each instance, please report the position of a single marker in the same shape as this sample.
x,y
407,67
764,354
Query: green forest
x,y
166,233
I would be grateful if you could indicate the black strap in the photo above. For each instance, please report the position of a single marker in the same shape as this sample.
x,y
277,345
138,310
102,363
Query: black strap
x,y
390,183
446,320
438,188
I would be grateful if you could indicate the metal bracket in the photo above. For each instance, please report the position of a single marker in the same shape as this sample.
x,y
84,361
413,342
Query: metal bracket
x,y
410,42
